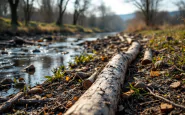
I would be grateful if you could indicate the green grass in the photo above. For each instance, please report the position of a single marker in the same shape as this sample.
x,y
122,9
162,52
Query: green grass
x,y
175,49
39,27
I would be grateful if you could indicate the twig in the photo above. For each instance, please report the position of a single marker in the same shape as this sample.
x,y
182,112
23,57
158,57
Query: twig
x,y
168,101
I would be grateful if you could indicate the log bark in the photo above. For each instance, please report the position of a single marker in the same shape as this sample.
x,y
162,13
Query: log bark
x,y
8,104
88,82
103,96
147,57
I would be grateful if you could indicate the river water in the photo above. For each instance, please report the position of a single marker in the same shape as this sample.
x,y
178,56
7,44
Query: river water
x,y
49,57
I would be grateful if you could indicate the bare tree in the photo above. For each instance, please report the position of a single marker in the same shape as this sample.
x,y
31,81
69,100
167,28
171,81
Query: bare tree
x,y
62,5
13,6
148,8
80,6
27,7
46,10
181,5
3,7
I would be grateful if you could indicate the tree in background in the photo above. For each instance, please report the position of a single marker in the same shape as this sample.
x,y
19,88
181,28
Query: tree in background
x,y
46,10
3,7
62,5
148,8
13,7
181,5
80,6
28,8
103,12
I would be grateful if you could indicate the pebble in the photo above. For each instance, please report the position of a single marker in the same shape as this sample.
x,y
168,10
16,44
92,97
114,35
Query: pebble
x,y
175,85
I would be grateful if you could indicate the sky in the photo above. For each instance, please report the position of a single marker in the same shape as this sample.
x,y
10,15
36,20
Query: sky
x,y
122,7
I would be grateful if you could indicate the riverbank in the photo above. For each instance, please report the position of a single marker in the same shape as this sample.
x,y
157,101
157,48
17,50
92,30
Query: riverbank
x,y
155,87
38,28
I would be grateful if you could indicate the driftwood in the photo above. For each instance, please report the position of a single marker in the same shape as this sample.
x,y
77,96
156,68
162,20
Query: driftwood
x,y
103,96
88,82
10,102
147,57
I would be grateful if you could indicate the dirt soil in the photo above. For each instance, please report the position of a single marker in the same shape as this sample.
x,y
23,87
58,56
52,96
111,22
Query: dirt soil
x,y
162,79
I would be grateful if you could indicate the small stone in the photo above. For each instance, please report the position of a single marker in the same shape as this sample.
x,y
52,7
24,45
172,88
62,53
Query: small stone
x,y
6,81
69,104
165,107
128,94
140,84
120,108
35,90
152,85
158,64
36,51
37,96
30,68
20,85
175,85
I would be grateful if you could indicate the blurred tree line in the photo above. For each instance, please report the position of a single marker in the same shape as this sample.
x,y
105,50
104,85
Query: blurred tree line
x,y
149,15
55,11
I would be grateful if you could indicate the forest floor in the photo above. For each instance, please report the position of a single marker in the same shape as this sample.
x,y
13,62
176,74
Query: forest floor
x,y
144,85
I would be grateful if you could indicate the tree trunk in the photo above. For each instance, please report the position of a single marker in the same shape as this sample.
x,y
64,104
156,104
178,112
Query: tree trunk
x,y
75,18
147,57
103,96
10,102
13,7
59,16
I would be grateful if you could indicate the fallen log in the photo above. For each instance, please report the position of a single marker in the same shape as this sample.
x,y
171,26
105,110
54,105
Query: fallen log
x,y
89,81
8,104
147,57
103,96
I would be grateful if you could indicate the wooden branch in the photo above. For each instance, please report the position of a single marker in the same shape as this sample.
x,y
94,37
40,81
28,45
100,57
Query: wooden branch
x,y
129,40
164,99
147,57
6,105
103,96
88,82
29,101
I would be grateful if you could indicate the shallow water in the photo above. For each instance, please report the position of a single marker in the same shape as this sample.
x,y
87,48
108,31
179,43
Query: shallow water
x,y
49,57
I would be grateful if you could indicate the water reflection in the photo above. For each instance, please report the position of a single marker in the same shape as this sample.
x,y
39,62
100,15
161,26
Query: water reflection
x,y
50,57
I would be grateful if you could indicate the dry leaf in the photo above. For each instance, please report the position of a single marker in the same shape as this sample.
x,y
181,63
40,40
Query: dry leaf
x,y
155,74
128,94
49,95
175,85
165,107
75,98
69,104
67,78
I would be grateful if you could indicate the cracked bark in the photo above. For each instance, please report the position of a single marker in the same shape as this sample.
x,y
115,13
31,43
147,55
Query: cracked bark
x,y
103,96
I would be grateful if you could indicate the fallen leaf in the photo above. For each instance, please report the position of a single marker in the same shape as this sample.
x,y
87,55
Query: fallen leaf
x,y
128,94
155,74
175,85
67,78
49,95
69,104
75,98
165,107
